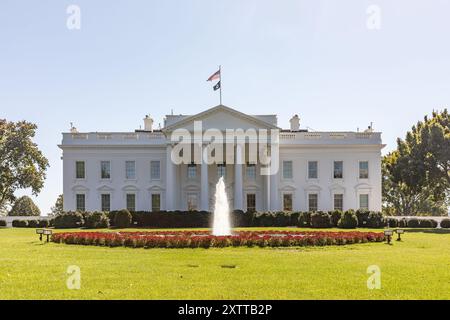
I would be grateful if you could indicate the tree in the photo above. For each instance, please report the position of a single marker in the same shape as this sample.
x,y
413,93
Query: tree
x,y
22,164
58,208
24,206
416,176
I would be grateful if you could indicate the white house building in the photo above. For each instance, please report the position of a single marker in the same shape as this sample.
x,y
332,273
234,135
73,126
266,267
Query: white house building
x,y
136,170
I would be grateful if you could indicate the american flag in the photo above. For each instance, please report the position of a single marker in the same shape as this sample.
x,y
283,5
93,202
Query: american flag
x,y
215,76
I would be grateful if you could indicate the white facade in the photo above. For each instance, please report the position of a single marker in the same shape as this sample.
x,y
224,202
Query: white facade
x,y
311,166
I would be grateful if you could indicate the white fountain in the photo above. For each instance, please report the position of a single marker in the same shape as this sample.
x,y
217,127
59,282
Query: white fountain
x,y
221,226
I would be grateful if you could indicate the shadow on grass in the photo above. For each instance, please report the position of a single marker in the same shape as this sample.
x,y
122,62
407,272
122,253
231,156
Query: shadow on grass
x,y
435,231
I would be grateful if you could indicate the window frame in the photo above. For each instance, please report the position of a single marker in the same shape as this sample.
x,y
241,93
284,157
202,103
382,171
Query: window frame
x,y
84,202
309,201
253,169
126,170
291,170
101,169
334,169
126,201
152,199
102,204
151,170
288,194
342,201
359,169
250,194
360,202
188,171
76,169
308,171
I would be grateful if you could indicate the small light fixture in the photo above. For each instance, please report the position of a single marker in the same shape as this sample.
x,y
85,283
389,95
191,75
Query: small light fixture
x,y
399,233
388,234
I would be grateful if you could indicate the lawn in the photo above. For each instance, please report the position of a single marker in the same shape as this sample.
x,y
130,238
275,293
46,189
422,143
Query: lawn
x,y
416,268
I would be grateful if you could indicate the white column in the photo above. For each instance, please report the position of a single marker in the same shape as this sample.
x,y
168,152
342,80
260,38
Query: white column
x,y
204,197
170,175
238,184
274,179
267,192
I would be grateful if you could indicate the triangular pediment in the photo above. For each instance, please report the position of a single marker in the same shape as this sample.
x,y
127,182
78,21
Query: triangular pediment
x,y
221,117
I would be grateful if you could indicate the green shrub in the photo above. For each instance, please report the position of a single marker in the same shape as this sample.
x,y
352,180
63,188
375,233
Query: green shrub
x,y
265,219
413,223
43,223
24,206
33,223
122,219
403,223
427,223
363,217
96,220
67,220
2,223
349,220
375,220
20,223
391,223
320,219
336,215
304,219
445,223
282,219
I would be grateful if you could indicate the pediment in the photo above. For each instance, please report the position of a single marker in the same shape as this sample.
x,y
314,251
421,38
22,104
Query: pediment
x,y
105,188
130,187
222,118
80,188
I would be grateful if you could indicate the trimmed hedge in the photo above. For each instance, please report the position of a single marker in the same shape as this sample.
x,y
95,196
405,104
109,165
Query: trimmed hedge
x,y
445,223
20,223
392,223
68,220
2,223
427,223
413,223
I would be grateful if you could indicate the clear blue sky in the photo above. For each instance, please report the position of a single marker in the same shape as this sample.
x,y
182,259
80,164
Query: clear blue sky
x,y
316,58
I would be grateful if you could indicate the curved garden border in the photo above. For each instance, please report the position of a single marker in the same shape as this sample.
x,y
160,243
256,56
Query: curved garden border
x,y
203,239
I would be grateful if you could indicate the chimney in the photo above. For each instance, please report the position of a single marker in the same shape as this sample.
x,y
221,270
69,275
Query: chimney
x,y
148,123
295,123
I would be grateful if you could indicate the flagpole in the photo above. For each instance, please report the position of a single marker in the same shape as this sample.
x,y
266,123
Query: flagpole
x,y
220,79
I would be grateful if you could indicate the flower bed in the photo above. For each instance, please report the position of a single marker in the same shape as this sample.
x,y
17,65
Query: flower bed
x,y
203,239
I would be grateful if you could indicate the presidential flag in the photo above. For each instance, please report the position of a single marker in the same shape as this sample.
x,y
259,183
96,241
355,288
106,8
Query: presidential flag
x,y
215,76
216,86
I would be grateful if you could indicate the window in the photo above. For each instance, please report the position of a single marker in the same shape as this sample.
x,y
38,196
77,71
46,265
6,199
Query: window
x,y
81,202
364,201
251,202
287,169
221,170
287,202
192,171
339,202
312,169
338,169
192,202
105,169
131,202
313,201
106,202
364,169
130,170
156,202
155,170
251,171
80,169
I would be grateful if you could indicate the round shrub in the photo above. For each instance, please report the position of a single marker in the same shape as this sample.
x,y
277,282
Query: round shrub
x,y
33,223
391,223
2,223
96,220
363,217
43,223
20,223
445,223
68,220
348,220
336,215
304,219
122,219
375,220
282,219
320,219
413,223
403,223
428,223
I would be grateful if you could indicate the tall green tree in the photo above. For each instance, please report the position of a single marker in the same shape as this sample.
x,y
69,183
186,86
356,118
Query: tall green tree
x,y
24,206
22,164
58,208
416,176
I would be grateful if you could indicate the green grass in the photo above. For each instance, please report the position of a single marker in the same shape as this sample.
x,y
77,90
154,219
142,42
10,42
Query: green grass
x,y
417,268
